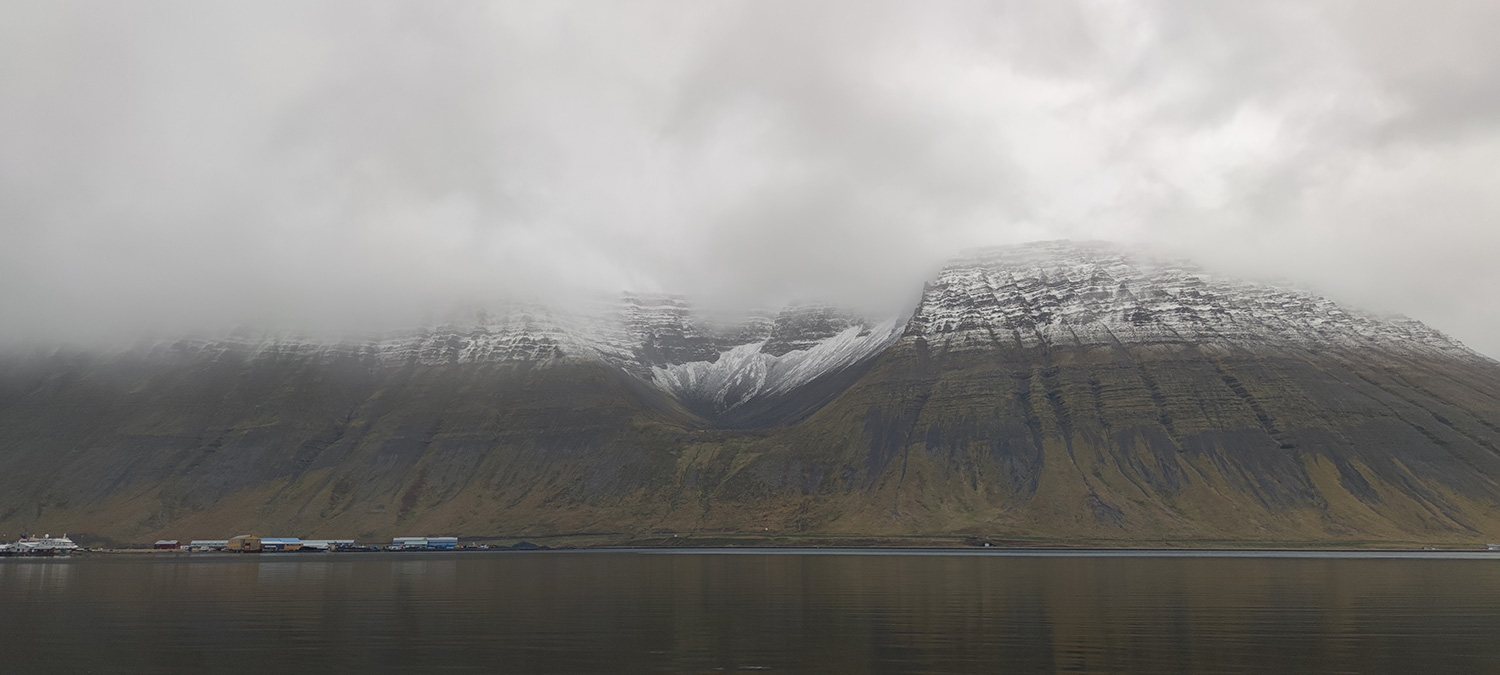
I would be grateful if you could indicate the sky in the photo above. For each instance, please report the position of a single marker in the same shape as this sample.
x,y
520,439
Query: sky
x,y
175,166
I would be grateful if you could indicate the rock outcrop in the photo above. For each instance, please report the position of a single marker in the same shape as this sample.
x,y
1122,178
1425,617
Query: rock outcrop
x,y
1053,391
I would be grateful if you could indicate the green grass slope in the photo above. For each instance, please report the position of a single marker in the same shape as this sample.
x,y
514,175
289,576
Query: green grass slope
x,y
1101,445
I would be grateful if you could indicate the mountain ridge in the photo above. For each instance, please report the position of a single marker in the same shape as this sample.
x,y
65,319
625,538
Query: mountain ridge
x,y
1057,390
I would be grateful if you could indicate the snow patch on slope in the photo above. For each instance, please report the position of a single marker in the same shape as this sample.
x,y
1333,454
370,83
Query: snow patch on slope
x,y
724,360
748,371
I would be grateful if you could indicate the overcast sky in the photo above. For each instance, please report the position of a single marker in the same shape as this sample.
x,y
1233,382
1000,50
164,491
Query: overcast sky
x,y
184,165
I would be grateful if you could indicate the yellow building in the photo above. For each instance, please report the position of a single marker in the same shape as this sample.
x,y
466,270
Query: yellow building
x,y
244,543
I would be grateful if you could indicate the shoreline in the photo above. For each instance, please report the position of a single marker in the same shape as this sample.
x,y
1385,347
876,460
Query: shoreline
x,y
870,544
966,551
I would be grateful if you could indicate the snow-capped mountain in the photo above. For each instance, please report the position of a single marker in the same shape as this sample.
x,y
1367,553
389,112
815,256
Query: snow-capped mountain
x,y
1041,295
1081,392
712,362
1081,294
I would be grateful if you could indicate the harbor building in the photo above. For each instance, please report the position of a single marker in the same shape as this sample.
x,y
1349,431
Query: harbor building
x,y
244,543
279,544
424,543
327,544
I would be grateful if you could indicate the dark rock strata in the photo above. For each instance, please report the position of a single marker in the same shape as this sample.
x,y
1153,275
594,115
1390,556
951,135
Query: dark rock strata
x,y
1055,392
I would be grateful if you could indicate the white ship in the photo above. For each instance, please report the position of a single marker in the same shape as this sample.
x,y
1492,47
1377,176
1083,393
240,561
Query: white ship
x,y
45,545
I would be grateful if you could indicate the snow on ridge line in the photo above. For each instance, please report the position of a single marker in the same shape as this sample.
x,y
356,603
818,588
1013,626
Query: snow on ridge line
x,y
746,372
741,368
1061,293
1045,293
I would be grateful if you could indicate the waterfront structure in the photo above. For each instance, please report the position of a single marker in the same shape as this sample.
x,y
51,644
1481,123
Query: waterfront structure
x,y
244,543
327,544
278,544
424,543
208,544
166,545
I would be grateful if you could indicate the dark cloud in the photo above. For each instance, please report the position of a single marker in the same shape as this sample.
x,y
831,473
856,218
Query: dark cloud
x,y
171,165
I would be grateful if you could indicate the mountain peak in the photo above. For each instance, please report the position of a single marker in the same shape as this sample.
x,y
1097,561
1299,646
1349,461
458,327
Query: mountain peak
x,y
1079,391
1100,293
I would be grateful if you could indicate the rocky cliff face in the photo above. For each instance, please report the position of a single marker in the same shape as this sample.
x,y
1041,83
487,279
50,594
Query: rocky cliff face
x,y
1078,295
1054,391
712,363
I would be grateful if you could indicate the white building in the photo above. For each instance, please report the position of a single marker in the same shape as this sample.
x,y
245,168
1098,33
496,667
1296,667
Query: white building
x,y
327,544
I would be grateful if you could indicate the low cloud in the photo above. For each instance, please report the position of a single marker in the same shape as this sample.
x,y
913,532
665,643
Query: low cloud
x,y
190,166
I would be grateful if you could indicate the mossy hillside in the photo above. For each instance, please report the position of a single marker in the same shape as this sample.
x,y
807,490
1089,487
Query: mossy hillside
x,y
1169,442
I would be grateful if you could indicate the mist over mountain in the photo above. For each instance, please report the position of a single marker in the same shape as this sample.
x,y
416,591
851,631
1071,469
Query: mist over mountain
x,y
1069,271
1048,391
353,166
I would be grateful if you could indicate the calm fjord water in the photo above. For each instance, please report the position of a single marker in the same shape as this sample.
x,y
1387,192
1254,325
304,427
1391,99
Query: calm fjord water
x,y
622,612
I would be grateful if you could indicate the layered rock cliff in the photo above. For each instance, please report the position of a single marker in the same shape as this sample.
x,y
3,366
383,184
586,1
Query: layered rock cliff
x,y
1054,391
